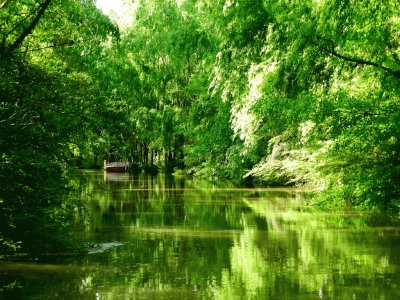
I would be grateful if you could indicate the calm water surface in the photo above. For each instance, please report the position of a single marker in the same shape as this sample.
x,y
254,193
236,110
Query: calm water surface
x,y
174,238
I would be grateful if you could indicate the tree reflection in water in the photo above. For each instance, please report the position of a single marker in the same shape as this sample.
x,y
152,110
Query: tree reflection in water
x,y
181,238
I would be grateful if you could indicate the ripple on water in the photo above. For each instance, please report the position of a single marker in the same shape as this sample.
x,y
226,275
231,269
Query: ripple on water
x,y
102,247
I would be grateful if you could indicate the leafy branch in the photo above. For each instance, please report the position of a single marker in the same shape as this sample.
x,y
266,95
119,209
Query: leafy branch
x,y
330,48
4,3
22,21
28,30
59,45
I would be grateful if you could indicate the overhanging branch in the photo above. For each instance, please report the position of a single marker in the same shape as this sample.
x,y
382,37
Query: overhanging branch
x,y
68,44
22,21
331,50
28,30
4,3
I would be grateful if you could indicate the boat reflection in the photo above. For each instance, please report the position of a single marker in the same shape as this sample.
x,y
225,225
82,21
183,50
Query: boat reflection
x,y
115,176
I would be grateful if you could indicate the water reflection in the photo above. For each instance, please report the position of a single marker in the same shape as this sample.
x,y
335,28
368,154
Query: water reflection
x,y
180,238
115,176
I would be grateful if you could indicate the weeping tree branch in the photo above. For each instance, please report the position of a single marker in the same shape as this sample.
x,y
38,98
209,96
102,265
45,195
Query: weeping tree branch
x,y
331,50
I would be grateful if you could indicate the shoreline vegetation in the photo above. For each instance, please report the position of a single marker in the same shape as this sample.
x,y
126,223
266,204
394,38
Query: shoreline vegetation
x,y
304,93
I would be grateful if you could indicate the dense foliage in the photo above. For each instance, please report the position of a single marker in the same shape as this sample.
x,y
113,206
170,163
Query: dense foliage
x,y
287,92
46,114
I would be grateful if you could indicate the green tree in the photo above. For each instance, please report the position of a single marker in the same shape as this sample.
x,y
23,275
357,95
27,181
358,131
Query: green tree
x,y
45,114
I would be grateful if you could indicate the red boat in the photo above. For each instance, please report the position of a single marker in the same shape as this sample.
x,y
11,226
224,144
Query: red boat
x,y
117,166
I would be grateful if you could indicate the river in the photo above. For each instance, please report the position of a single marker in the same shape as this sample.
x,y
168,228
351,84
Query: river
x,y
164,237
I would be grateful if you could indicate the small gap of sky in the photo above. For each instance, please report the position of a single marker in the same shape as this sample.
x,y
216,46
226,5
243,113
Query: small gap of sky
x,y
120,11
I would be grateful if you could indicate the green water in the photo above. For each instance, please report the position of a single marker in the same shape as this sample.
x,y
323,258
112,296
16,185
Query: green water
x,y
169,238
